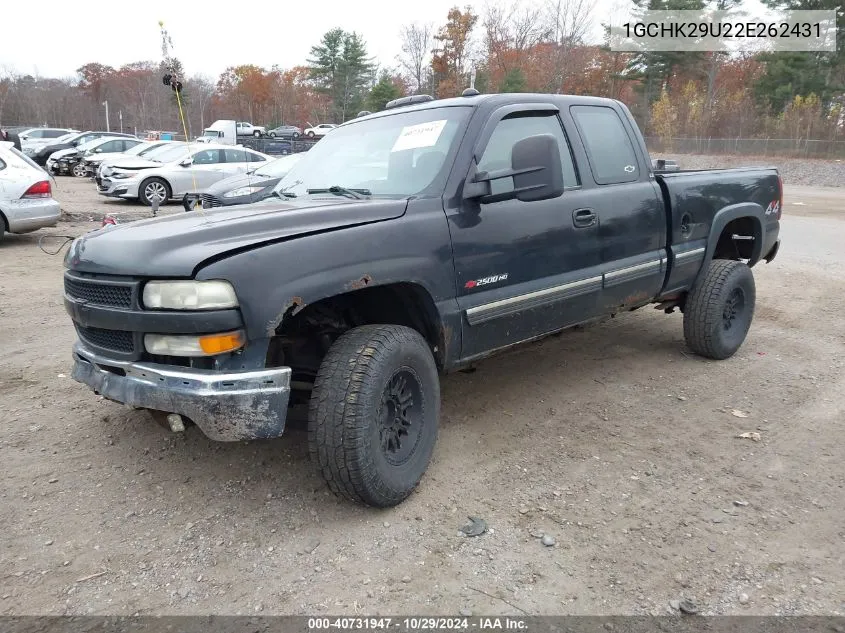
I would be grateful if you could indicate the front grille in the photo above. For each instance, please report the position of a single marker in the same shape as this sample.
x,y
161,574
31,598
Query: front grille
x,y
209,201
99,293
114,340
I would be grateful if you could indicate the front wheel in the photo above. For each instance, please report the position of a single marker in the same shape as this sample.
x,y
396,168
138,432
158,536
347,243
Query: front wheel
x,y
79,170
719,310
154,189
311,134
372,420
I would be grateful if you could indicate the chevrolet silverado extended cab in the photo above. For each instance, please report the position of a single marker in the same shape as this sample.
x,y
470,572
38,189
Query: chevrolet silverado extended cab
x,y
407,244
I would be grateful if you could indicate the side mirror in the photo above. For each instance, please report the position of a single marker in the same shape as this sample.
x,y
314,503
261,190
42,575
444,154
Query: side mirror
x,y
186,162
535,168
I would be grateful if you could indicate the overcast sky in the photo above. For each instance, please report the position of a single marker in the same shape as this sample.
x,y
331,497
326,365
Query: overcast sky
x,y
61,36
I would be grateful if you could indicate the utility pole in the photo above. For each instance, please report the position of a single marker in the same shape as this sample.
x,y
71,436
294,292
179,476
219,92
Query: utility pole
x,y
106,103
120,114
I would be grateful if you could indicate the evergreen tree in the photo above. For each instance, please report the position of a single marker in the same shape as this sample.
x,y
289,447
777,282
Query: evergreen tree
x,y
385,90
340,67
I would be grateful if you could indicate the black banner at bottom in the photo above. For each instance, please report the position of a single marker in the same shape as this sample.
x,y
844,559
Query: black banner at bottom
x,y
410,624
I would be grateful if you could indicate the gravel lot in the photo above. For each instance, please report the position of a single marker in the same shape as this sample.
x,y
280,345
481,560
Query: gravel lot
x,y
812,172
615,441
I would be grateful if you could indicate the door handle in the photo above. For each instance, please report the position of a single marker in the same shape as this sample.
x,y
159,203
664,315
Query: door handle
x,y
583,218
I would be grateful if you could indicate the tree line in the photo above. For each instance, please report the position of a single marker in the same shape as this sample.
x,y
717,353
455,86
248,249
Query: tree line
x,y
505,47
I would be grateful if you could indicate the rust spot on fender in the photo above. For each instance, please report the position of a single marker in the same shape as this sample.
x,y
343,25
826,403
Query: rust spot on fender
x,y
357,284
291,307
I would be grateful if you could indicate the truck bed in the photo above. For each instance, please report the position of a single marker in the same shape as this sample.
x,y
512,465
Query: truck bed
x,y
695,197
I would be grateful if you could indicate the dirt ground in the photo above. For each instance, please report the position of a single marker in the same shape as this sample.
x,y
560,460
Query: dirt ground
x,y
614,440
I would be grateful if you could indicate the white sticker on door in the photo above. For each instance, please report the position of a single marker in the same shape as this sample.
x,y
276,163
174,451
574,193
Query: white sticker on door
x,y
422,135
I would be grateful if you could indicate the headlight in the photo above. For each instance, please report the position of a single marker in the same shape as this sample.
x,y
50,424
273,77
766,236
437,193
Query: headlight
x,y
242,191
189,295
206,345
120,175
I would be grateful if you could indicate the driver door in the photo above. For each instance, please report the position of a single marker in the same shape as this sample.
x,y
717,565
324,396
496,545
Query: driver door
x,y
524,268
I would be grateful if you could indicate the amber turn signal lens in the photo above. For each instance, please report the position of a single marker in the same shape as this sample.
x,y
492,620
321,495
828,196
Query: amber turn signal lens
x,y
221,343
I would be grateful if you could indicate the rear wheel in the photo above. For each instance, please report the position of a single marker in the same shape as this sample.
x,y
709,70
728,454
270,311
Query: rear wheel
x,y
256,134
311,134
295,135
719,310
373,414
154,189
272,135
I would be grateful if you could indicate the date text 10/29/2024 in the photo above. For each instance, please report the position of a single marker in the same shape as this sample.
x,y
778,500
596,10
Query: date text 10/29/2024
x,y
417,624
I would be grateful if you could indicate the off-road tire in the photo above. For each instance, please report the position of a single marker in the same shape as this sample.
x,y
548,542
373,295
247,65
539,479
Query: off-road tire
x,y
142,191
348,435
719,310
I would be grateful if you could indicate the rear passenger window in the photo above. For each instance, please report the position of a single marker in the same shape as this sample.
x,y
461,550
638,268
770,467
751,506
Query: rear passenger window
x,y
235,156
514,128
608,145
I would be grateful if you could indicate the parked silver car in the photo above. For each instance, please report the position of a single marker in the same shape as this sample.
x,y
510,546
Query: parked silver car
x,y
26,194
174,173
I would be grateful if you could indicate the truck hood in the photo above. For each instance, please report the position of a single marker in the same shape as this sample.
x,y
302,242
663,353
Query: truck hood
x,y
177,245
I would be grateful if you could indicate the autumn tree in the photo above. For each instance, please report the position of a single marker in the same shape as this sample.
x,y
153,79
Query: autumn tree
x,y
570,21
416,47
663,118
450,60
342,71
93,81
511,32
246,90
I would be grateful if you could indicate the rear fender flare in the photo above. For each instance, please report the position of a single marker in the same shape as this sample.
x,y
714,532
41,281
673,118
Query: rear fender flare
x,y
720,221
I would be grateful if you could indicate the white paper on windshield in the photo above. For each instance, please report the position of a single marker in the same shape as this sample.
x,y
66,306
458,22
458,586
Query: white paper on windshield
x,y
422,135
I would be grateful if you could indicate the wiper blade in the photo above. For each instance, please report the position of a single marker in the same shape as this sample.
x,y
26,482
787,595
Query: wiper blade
x,y
284,194
358,194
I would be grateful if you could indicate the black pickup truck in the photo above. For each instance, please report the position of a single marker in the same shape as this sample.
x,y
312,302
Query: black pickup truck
x,y
409,243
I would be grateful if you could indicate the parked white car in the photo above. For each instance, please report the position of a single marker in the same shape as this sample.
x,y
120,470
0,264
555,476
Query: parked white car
x,y
38,136
92,158
319,131
100,145
26,194
133,160
174,173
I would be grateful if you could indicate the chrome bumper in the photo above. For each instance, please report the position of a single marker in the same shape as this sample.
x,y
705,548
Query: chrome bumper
x,y
226,406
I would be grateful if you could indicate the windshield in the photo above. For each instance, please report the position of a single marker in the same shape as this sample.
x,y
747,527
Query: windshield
x,y
170,154
399,155
210,134
91,144
140,149
279,167
64,139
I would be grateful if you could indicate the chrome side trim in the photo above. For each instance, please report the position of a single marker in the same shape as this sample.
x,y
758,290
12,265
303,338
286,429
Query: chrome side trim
x,y
634,271
503,307
694,253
